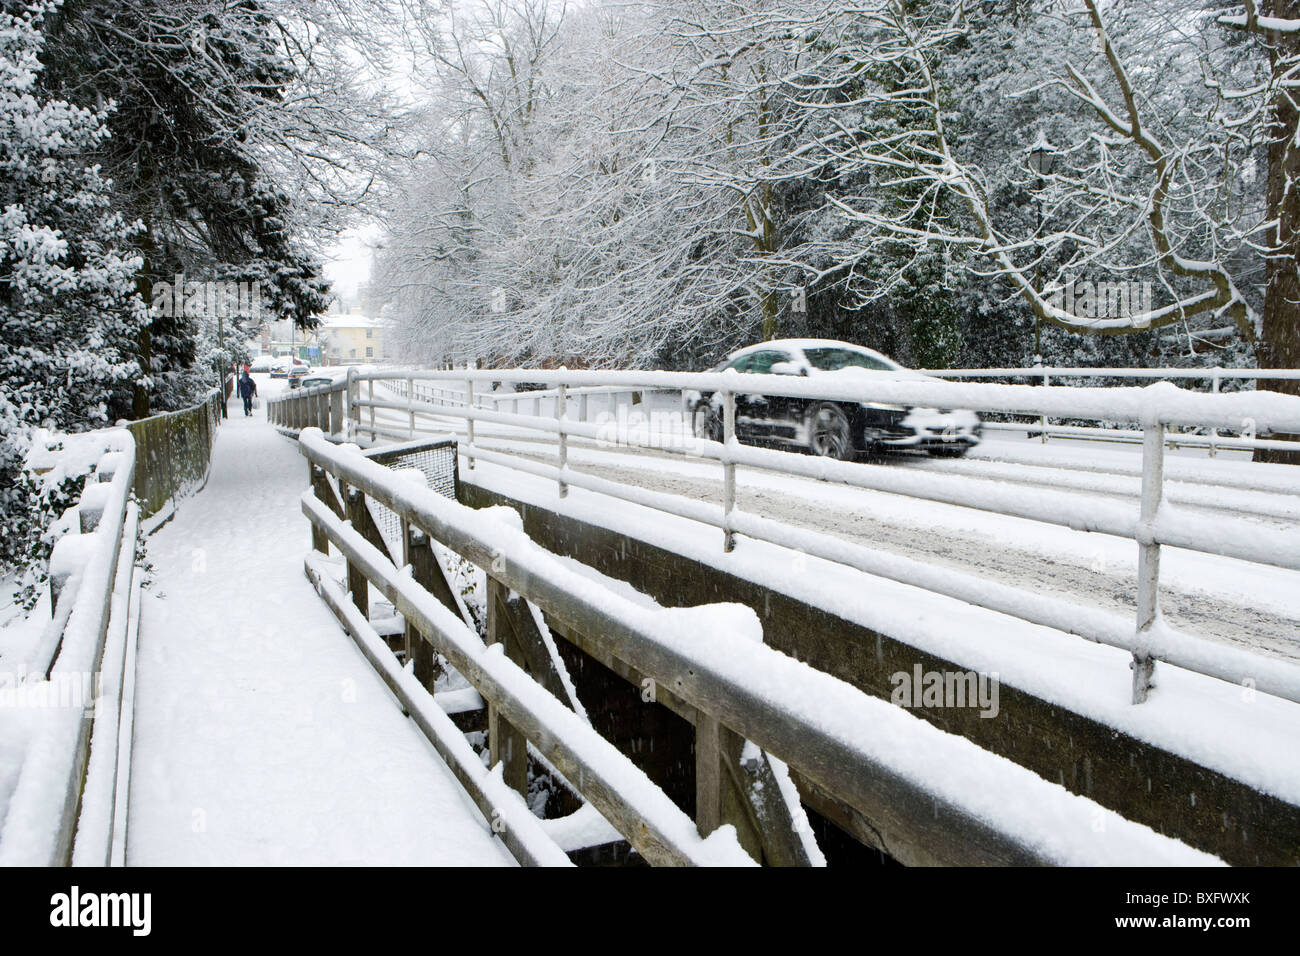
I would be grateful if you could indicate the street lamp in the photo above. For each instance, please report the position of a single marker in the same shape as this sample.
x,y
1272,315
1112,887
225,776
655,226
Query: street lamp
x,y
1042,159
1042,156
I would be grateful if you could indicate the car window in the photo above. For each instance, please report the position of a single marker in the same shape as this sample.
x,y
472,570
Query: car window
x,y
834,359
741,364
761,362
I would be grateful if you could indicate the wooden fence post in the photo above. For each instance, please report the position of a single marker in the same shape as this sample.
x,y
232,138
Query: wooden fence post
x,y
319,540
708,773
357,513
506,745
426,573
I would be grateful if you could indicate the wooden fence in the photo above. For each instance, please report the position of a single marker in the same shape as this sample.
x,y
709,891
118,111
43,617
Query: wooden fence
x,y
174,452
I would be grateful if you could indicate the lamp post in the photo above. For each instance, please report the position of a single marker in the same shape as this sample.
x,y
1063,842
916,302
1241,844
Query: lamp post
x,y
222,362
1042,159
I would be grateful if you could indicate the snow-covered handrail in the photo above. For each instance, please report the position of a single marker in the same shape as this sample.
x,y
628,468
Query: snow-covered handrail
x,y
1063,371
1155,523
855,746
64,799
1159,404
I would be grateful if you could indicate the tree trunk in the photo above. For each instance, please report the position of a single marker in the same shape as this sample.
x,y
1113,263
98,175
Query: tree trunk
x,y
1279,345
144,354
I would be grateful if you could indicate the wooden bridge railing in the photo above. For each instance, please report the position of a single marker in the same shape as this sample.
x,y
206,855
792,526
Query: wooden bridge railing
x,y
727,683
68,805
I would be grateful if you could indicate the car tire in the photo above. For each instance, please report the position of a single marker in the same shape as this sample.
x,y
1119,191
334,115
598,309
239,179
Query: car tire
x,y
829,432
706,422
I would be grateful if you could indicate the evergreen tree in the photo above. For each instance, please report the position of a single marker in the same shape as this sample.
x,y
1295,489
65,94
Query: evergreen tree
x,y
69,314
200,90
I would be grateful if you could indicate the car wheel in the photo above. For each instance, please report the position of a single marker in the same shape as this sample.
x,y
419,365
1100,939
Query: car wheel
x,y
829,433
707,422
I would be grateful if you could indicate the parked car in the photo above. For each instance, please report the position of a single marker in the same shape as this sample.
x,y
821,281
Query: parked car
x,y
262,363
311,381
834,429
297,373
281,368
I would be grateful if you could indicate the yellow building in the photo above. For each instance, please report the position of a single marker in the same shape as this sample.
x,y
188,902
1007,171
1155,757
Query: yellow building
x,y
351,339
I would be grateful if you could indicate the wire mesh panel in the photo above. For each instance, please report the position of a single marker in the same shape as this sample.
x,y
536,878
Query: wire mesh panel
x,y
435,460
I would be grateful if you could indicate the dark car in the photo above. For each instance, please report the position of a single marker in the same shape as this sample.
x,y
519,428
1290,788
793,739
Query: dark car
x,y
831,428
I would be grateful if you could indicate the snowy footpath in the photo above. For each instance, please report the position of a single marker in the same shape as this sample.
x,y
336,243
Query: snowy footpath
x,y
261,734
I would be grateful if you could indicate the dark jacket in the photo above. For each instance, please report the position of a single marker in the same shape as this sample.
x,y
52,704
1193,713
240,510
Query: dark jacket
x,y
247,387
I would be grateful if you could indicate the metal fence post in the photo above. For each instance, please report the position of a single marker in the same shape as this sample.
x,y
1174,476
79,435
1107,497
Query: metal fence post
x,y
469,420
370,395
1042,421
561,415
728,469
354,410
410,402
1214,432
1148,596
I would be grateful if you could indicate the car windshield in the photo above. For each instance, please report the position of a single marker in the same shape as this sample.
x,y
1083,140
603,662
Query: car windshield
x,y
834,359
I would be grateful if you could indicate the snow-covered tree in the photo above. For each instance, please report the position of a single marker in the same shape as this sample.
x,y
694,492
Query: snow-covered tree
x,y
235,131
1275,26
69,313
655,183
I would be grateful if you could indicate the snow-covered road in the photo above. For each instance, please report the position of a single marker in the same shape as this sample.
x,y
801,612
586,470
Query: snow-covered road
x,y
262,736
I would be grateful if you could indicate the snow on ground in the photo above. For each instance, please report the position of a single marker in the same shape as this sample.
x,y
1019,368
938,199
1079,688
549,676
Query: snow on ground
x,y
262,736
20,631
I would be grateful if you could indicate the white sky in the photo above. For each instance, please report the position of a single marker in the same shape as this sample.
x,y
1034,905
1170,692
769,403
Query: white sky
x,y
347,261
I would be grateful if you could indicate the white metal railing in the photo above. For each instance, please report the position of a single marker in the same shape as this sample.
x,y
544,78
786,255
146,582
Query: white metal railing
x,y
1155,524
1164,374
1211,440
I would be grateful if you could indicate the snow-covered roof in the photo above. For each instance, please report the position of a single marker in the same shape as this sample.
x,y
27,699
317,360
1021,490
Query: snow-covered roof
x,y
350,322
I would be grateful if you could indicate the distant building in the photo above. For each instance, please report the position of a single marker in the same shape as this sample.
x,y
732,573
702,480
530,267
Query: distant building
x,y
338,340
351,339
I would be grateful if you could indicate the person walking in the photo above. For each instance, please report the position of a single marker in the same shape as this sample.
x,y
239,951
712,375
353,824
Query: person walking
x,y
247,389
